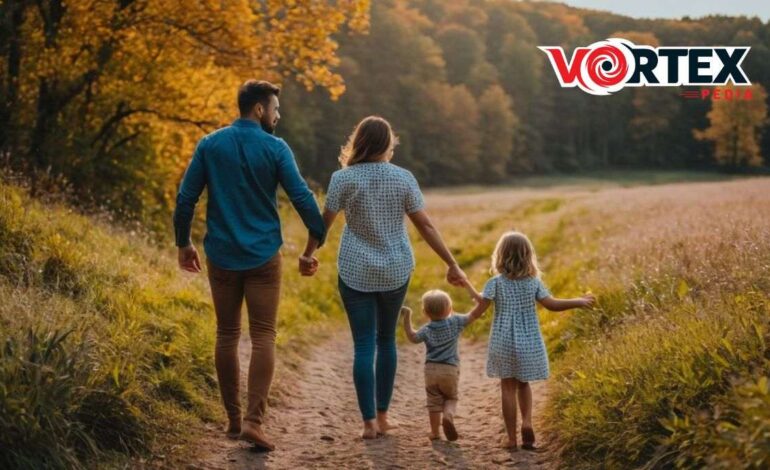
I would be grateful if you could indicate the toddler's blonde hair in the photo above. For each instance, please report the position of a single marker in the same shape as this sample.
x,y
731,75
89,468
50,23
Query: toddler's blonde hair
x,y
436,303
514,257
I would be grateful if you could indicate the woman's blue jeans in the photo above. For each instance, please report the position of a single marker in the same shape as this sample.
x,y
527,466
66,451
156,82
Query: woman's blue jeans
x,y
373,320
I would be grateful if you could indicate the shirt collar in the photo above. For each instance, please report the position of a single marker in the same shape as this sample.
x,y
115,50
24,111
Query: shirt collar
x,y
241,122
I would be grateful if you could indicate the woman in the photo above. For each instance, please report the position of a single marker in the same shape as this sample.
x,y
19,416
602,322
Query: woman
x,y
375,258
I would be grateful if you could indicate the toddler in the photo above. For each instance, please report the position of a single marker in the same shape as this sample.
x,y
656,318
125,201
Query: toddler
x,y
442,361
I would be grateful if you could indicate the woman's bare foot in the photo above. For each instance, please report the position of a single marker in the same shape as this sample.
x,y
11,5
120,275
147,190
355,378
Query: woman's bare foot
x,y
383,424
252,432
370,430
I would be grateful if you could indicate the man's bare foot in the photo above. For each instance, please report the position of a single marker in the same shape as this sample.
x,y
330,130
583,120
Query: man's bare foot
x,y
508,444
233,429
449,427
383,424
370,430
252,432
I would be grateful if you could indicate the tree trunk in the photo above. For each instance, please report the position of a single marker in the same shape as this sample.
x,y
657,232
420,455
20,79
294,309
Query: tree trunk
x,y
12,13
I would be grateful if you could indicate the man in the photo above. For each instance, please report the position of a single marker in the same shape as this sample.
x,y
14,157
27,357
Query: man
x,y
242,165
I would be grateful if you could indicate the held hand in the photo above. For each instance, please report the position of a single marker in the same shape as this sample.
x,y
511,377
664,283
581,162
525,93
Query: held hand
x,y
308,265
588,300
456,276
188,259
472,291
406,312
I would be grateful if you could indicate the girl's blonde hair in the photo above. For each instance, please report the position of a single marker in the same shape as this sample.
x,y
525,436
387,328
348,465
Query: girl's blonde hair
x,y
371,139
514,257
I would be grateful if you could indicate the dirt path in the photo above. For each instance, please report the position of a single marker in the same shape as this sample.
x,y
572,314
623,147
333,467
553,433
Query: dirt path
x,y
317,423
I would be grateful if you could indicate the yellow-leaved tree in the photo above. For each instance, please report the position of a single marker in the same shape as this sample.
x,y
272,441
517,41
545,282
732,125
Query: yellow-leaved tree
x,y
113,94
735,125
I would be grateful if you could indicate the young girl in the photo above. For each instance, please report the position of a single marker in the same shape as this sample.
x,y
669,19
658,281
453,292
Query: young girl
x,y
517,353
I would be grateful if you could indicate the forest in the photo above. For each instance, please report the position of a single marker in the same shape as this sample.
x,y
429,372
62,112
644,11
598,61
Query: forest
x,y
104,100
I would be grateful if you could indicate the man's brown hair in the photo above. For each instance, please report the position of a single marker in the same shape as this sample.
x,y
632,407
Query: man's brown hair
x,y
253,92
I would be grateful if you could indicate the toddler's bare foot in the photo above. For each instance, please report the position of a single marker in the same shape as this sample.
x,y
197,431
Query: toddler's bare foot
x,y
449,427
370,430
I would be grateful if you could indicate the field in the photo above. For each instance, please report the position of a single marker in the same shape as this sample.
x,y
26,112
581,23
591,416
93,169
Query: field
x,y
671,368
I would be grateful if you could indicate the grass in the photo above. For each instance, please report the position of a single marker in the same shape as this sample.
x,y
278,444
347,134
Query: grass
x,y
595,180
107,348
670,370
95,324
650,377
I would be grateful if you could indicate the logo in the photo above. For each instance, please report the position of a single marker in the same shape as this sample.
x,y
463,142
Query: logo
x,y
606,67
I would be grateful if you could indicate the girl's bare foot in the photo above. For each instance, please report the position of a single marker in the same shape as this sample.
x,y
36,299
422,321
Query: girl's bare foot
x,y
528,438
370,430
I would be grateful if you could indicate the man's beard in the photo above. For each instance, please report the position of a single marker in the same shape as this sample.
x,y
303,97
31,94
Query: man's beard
x,y
267,125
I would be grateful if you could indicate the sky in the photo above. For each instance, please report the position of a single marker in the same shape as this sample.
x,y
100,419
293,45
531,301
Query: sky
x,y
678,8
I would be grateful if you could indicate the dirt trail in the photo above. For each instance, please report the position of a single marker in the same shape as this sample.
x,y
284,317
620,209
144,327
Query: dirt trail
x,y
317,423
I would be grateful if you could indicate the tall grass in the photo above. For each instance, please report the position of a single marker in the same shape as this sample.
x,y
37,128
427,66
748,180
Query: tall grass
x,y
668,370
671,368
107,348
96,326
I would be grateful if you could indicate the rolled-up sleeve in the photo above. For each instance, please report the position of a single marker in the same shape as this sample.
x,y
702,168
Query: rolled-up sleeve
x,y
189,192
299,193
333,196
413,201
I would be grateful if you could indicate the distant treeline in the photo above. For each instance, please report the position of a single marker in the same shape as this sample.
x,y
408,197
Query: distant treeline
x,y
473,99
104,100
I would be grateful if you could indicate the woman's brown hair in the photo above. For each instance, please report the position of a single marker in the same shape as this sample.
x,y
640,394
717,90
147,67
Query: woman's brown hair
x,y
371,139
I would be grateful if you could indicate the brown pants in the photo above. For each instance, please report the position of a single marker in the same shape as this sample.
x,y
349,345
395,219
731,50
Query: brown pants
x,y
440,384
261,288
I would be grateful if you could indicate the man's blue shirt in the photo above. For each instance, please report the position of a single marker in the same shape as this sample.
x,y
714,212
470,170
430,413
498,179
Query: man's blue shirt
x,y
242,166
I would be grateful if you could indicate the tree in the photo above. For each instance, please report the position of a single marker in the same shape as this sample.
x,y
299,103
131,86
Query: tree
x,y
497,126
122,89
445,138
735,126
463,49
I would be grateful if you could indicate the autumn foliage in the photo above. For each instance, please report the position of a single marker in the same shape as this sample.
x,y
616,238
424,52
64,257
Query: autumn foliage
x,y
111,95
